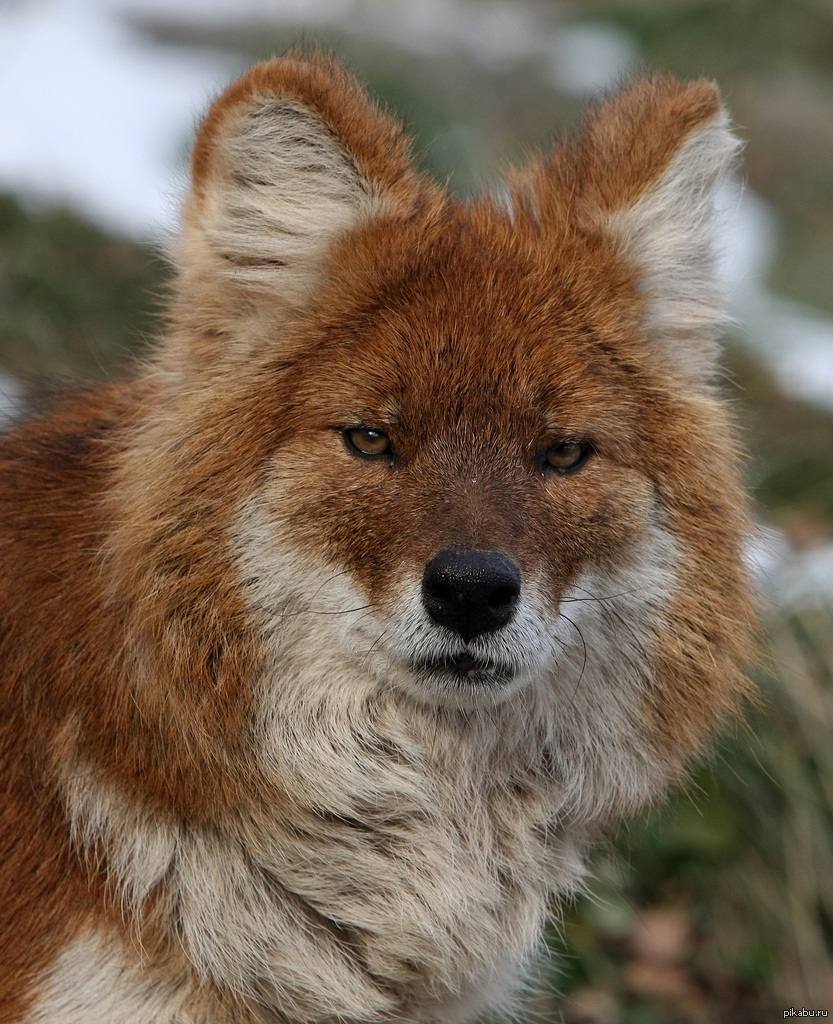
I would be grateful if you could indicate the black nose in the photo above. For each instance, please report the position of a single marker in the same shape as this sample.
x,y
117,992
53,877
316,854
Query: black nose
x,y
471,592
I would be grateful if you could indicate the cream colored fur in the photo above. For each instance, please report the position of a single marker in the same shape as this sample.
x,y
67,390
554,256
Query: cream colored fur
x,y
459,822
670,234
283,191
98,981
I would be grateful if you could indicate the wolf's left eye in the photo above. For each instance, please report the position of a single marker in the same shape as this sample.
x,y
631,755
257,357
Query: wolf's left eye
x,y
566,456
367,442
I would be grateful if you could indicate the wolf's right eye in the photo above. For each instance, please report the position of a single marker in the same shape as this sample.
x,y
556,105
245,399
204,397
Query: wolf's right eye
x,y
367,442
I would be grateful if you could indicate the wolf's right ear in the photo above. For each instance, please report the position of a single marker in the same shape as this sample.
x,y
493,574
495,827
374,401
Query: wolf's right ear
x,y
289,158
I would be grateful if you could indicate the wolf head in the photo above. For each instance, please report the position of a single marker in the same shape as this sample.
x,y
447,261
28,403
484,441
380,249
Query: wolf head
x,y
454,452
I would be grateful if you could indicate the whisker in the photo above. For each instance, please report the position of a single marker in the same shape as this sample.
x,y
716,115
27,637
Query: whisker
x,y
584,661
337,611
326,583
378,639
608,611
603,597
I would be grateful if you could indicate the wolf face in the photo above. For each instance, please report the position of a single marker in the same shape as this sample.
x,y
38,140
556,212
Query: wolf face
x,y
463,468
412,557
487,418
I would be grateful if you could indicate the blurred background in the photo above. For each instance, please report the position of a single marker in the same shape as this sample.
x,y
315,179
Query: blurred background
x,y
719,906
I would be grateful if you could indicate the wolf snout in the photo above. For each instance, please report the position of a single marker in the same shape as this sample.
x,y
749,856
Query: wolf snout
x,y
471,591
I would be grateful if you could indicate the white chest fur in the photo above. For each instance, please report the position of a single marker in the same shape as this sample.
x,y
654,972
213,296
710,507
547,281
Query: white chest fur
x,y
409,894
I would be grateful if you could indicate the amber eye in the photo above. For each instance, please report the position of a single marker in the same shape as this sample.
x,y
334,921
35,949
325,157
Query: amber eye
x,y
367,442
567,455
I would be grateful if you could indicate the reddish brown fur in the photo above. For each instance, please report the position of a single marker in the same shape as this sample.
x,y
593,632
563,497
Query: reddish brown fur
x,y
626,143
474,336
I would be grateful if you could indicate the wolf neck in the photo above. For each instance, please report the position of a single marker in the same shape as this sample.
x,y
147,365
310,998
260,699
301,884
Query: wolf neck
x,y
346,749
434,858
408,853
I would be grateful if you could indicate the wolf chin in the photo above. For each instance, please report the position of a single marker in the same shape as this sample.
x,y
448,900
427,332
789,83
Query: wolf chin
x,y
409,560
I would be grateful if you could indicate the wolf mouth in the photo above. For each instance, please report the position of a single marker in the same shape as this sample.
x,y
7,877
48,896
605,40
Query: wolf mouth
x,y
467,668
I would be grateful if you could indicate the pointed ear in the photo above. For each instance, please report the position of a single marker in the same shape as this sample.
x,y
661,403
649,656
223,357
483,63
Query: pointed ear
x,y
682,148
290,157
645,172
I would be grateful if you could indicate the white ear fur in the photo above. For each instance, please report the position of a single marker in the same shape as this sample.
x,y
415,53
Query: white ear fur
x,y
670,234
282,190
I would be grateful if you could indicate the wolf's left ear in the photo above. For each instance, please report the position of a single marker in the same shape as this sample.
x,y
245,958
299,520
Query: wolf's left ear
x,y
289,159
674,147
645,171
